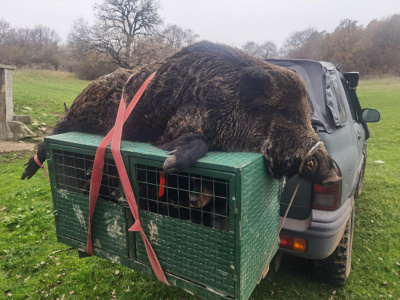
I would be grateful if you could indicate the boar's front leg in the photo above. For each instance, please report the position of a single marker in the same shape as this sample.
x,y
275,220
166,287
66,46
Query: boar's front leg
x,y
184,151
32,166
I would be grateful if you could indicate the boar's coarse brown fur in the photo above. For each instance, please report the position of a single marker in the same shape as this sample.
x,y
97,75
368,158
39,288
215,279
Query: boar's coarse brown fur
x,y
208,97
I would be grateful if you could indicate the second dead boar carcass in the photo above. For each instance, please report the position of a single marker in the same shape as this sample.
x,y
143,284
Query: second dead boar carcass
x,y
208,97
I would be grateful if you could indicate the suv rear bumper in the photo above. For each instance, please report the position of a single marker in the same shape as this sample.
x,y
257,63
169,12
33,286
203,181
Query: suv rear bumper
x,y
322,230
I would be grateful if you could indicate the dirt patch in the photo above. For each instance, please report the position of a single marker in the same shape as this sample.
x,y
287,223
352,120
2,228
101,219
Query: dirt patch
x,y
6,147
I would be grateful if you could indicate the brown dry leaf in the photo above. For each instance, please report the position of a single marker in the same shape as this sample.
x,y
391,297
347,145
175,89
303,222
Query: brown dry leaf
x,y
272,293
116,272
113,292
18,276
334,293
385,282
380,258
368,249
43,237
397,263
95,288
372,221
51,285
70,292
42,262
9,295
58,263
27,278
3,208
127,290
58,275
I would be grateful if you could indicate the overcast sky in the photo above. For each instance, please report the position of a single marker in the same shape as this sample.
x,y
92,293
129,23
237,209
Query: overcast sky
x,y
227,21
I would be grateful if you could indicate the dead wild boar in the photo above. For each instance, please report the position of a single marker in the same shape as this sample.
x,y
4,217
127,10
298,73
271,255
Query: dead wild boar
x,y
208,97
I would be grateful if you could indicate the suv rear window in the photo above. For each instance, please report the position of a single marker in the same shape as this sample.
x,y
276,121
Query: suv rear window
x,y
334,99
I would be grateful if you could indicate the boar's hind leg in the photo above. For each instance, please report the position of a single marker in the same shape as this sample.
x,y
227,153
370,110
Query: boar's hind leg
x,y
185,151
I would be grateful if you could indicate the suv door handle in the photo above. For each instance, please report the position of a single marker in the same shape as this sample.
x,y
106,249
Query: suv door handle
x,y
358,135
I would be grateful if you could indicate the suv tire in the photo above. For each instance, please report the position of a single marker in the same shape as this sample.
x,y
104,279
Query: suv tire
x,y
335,269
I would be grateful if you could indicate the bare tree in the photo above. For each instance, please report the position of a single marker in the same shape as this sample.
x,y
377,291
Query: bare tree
x,y
79,38
265,50
346,40
42,37
119,24
176,37
295,41
4,27
268,50
250,47
311,48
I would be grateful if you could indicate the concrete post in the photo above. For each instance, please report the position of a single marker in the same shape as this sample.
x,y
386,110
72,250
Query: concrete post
x,y
10,126
6,101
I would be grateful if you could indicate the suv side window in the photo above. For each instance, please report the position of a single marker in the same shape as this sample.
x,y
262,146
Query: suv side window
x,y
347,92
334,99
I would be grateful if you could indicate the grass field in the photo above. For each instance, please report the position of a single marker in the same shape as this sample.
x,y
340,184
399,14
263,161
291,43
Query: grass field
x,y
29,269
41,94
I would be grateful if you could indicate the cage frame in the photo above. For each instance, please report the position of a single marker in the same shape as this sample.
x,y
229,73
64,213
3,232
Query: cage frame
x,y
134,153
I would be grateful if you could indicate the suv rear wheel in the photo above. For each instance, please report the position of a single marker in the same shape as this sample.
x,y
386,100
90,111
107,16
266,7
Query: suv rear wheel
x,y
335,269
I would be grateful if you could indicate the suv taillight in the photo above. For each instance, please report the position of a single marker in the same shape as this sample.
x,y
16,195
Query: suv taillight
x,y
327,198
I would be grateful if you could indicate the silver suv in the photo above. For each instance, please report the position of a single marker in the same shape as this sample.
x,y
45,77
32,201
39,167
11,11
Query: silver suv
x,y
320,222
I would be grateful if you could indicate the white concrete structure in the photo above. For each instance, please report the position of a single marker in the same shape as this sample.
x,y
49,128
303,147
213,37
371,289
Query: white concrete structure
x,y
6,101
10,126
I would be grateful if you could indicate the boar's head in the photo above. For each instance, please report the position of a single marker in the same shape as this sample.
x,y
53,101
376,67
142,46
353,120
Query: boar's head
x,y
277,101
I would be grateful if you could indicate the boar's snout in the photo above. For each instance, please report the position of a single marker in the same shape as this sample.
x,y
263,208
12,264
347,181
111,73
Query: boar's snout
x,y
320,168
333,178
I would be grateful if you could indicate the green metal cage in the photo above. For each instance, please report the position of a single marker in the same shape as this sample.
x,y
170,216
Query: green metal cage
x,y
215,251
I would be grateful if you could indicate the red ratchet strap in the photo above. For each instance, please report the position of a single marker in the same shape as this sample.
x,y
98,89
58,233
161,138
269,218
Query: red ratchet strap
x,y
161,188
42,166
115,136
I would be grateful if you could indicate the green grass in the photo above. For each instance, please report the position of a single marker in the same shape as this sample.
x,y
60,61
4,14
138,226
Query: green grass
x,y
27,230
41,94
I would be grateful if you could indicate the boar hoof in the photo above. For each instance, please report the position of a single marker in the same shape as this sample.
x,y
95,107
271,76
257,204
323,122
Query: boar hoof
x,y
184,151
31,169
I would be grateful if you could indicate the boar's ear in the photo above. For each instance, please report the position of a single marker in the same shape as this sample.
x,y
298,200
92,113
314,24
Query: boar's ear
x,y
254,86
